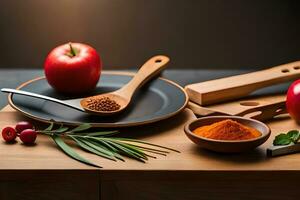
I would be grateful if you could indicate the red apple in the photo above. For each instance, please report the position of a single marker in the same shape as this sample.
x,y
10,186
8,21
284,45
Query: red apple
x,y
73,68
293,100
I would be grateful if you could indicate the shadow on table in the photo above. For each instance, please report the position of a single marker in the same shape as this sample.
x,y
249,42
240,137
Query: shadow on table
x,y
252,156
158,128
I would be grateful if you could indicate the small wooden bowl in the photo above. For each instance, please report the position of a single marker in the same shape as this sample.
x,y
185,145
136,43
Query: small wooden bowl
x,y
227,146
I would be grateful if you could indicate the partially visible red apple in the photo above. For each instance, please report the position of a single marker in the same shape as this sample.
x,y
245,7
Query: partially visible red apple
x,y
73,68
293,100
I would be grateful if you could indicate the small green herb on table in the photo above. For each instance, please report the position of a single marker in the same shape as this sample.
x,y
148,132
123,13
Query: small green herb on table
x,y
290,137
103,144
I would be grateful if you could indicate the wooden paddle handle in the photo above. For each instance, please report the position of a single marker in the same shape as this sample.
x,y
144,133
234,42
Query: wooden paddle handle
x,y
261,112
216,91
150,69
203,111
265,111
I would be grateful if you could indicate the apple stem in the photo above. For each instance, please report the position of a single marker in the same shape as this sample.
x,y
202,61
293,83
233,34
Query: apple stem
x,y
72,50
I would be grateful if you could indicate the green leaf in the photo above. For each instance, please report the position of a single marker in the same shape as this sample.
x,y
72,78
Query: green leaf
x,y
50,127
137,150
81,127
134,150
61,130
151,150
142,142
96,141
294,135
282,139
70,152
108,147
127,152
100,152
102,133
97,147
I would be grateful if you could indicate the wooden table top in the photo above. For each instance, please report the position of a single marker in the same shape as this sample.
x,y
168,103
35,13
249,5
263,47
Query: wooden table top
x,y
45,155
45,172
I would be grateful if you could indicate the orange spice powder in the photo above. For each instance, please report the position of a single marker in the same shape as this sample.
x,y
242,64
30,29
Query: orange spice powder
x,y
227,130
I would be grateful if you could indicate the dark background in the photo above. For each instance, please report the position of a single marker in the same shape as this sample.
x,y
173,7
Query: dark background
x,y
240,34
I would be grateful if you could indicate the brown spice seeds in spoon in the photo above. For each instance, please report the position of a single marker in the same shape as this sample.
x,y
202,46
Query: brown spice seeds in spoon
x,y
102,104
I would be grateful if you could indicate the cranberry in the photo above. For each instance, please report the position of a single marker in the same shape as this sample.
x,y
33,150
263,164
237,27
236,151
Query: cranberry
x,y
28,136
9,134
22,126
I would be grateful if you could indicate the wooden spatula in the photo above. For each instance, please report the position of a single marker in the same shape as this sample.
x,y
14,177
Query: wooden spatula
x,y
234,87
260,108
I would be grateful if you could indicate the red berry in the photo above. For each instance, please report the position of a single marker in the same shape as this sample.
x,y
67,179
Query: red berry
x,y
22,126
28,136
9,134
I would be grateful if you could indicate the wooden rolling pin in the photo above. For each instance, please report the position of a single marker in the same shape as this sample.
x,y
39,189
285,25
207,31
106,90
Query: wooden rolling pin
x,y
220,90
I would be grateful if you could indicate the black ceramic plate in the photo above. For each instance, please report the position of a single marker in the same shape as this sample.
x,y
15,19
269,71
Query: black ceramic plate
x,y
158,100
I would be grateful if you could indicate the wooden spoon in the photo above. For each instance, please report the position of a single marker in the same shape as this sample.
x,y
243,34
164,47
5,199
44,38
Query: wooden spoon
x,y
123,96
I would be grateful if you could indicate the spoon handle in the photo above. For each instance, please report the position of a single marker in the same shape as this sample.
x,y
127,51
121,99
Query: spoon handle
x,y
39,96
151,68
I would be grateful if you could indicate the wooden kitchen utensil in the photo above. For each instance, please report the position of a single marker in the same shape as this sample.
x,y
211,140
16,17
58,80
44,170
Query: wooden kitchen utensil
x,y
234,87
261,108
122,97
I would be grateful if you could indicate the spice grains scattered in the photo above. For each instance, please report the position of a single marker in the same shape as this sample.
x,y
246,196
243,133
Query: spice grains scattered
x,y
227,130
102,104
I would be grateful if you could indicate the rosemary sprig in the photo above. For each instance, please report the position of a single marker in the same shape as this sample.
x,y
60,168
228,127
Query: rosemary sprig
x,y
103,144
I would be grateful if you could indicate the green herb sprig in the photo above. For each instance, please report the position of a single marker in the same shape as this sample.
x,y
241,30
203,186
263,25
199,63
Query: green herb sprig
x,y
290,137
103,144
